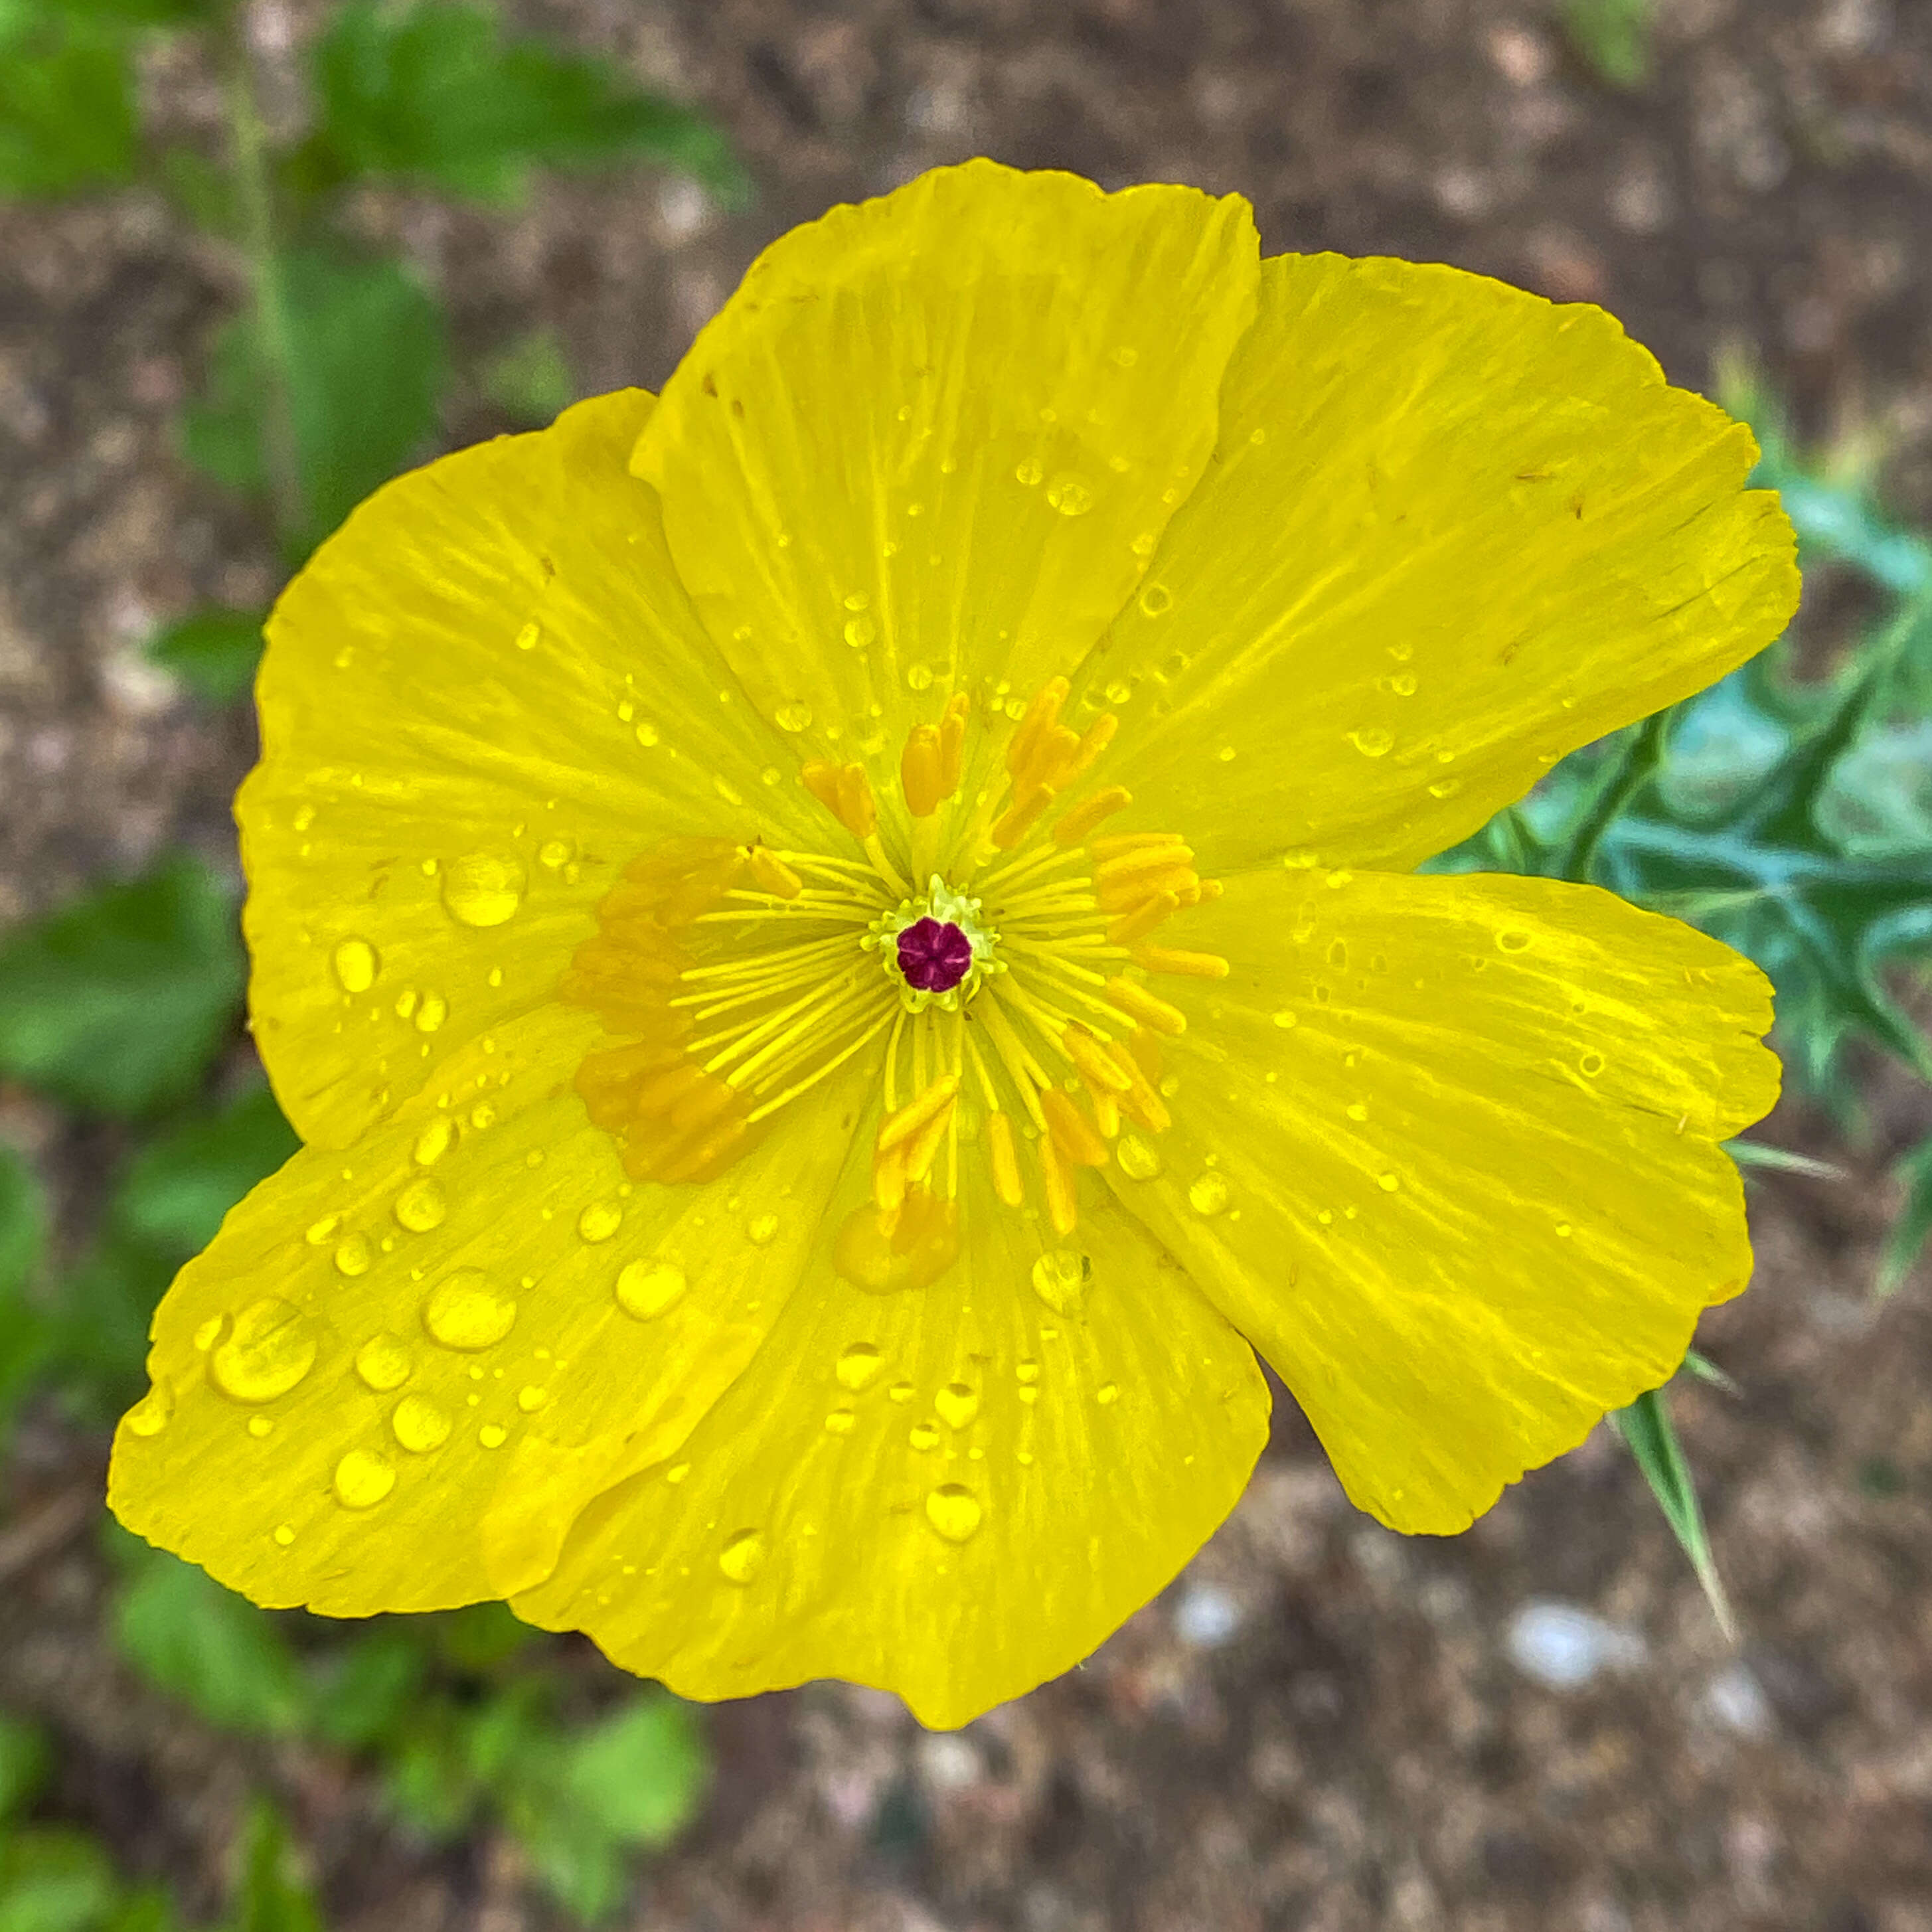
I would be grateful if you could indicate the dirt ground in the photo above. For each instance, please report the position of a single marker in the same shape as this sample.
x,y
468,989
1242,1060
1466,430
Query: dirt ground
x,y
1321,1726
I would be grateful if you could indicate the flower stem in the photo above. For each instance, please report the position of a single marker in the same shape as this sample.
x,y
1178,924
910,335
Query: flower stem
x,y
248,137
1636,767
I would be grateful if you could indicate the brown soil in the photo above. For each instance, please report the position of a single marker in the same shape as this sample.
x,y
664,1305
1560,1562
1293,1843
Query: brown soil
x,y
1359,1751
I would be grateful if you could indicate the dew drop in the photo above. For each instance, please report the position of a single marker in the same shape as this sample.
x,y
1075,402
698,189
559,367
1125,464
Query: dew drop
x,y
492,1436
742,1557
860,631
600,1221
1029,472
405,1002
1445,787
285,1534
1564,1231
1592,1064
1209,1194
363,1479
1403,684
320,1231
356,965
383,1362
1371,741
958,1403
482,1115
1356,1111
553,854
793,717
677,1473
531,1397
1120,691
431,1014
209,1332
1126,358
150,1415
1286,1018
955,1511
923,1435
304,817
1069,496
259,1426
1060,1280
1107,1394
763,1231
1027,1369
646,1289
1388,1183
857,1366
841,1422
466,1310
418,1425
646,734
484,889
902,1392
918,677
1139,1160
1513,940
526,638
271,1349
421,1205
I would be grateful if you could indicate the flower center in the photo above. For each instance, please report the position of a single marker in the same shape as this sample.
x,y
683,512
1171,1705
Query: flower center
x,y
1005,1006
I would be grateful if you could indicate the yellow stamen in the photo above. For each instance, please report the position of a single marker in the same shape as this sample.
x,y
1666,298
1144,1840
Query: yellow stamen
x,y
773,873
1101,849
1120,895
1185,965
936,1099
1005,1159
1042,715
1095,1063
844,791
1072,1133
1021,817
1135,998
1142,920
1074,826
1062,1207
952,742
920,771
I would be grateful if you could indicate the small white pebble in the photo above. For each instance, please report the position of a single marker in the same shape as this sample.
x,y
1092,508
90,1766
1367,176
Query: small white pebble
x,y
1564,1646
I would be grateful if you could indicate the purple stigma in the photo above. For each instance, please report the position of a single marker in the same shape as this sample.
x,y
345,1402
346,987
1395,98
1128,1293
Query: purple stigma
x,y
934,958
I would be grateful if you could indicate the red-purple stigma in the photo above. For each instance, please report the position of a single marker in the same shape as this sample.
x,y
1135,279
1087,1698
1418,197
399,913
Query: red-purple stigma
x,y
934,958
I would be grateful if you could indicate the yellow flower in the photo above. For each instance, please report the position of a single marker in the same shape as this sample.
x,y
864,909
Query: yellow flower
x,y
843,942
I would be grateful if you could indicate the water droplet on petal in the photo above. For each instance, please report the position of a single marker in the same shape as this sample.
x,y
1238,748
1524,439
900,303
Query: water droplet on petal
x,y
1138,1160
1028,472
1513,940
356,965
1286,1019
600,1221
955,1511
526,638
259,1426
958,1403
1027,1369
431,1014
383,1362
923,1435
555,854
647,1288
150,1415
210,1332
1107,1394
763,1230
1371,741
433,1142
742,1557
902,1392
320,1231
352,1256
1209,1194
363,1479
1060,1280
858,1365
421,1206
419,1425
918,677
531,1398
484,889
860,631
1388,1183
272,1348
492,1436
466,1310
1070,496
841,1422
793,717
1592,1064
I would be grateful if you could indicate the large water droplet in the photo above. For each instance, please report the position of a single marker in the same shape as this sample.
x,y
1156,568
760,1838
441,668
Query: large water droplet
x,y
1209,1194
363,1479
484,889
1139,1160
531,1397
955,1511
421,1205
383,1362
858,1365
419,1425
742,1557
271,1349
434,1142
1070,496
466,1310
356,965
353,1255
958,1403
492,1435
150,1415
647,1288
1060,1280
600,1221
860,631
431,1014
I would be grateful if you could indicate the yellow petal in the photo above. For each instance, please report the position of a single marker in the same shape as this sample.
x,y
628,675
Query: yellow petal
x,y
932,439
951,1492
1450,533
469,1312
1444,1150
480,698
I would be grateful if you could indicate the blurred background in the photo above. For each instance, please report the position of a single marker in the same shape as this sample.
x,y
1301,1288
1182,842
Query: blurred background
x,y
253,259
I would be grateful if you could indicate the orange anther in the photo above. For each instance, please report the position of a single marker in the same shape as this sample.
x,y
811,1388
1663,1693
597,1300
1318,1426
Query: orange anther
x,y
1020,817
1072,1132
935,1102
1099,736
1041,717
773,873
921,773
1142,920
1075,825
1062,1207
844,792
952,742
1134,999
1087,1054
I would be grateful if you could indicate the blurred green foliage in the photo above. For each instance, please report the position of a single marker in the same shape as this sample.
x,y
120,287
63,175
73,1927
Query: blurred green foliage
x,y
1611,37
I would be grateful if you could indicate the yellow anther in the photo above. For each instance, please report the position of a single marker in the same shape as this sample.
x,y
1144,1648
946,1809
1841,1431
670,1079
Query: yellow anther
x,y
1062,1207
773,873
921,773
1132,997
1005,1159
1042,715
1104,849
1020,817
934,1103
1185,965
1099,736
1055,747
1180,880
1140,860
1140,1102
844,792
1071,1131
1106,1111
1075,825
1096,1067
952,741
1142,920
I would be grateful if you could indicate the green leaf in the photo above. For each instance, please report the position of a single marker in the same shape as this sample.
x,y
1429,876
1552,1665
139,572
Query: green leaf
x,y
431,93
23,1765
99,1321
529,380
1647,1429
1906,1241
643,1773
1755,1154
148,1908
25,1333
270,1894
223,1657
367,360
54,1881
178,1189
119,1003
66,106
213,652
368,1687
1613,36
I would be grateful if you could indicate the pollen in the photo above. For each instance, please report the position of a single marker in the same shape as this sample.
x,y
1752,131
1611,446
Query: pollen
x,y
985,957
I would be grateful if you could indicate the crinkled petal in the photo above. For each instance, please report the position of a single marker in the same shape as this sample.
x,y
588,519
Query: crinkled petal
x,y
952,1492
931,442
469,1313
1444,1149
480,698
1450,532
